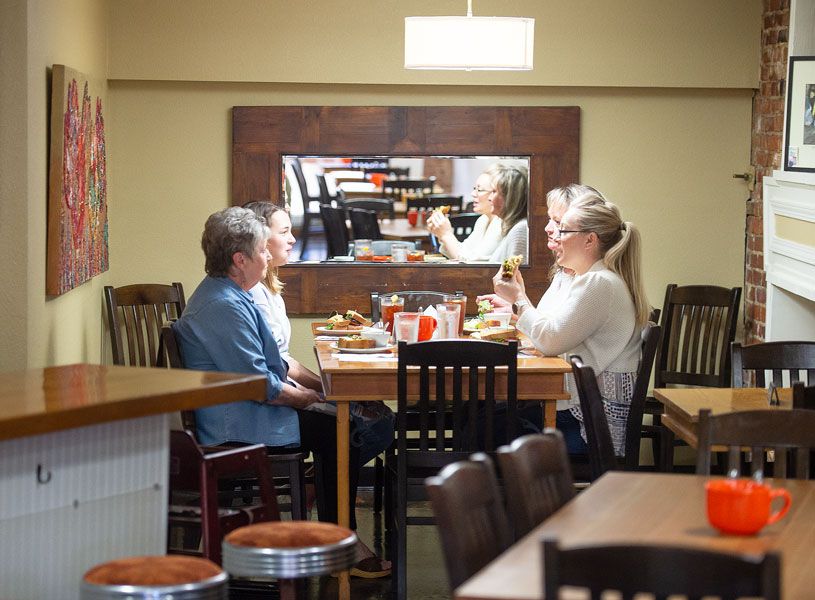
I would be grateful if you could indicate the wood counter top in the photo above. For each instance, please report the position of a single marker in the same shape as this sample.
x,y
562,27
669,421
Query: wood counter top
x,y
50,399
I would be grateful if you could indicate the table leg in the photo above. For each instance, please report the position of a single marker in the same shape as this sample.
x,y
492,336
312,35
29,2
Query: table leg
x,y
343,441
549,413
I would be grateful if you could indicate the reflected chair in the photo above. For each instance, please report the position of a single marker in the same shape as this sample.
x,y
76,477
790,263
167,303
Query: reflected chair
x,y
537,478
364,224
286,465
383,207
435,200
310,203
453,420
135,316
325,195
194,476
803,396
698,325
470,517
336,231
398,189
463,225
781,358
789,433
662,571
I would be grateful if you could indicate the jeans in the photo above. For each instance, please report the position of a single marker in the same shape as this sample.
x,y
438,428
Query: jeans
x,y
373,429
569,426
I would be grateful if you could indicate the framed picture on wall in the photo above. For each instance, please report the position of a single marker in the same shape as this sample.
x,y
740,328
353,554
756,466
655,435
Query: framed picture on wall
x,y
799,152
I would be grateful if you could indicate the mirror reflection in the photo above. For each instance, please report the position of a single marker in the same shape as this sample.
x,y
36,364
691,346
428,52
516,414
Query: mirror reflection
x,y
439,209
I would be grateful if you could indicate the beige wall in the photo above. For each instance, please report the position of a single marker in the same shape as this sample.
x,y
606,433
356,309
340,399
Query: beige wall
x,y
65,329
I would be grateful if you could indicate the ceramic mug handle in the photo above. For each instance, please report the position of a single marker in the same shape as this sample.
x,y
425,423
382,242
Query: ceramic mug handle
x,y
779,514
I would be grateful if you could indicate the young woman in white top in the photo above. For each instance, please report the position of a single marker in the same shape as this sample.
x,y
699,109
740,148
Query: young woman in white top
x,y
599,316
373,423
500,195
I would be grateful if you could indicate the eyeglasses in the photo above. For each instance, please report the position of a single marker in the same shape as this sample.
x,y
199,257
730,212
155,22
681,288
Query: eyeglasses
x,y
558,233
480,191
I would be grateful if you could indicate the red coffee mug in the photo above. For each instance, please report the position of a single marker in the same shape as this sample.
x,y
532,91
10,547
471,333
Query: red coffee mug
x,y
742,506
427,325
412,217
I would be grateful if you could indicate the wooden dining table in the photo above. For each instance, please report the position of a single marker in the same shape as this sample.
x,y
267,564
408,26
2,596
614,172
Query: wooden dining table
x,y
367,379
650,508
401,229
682,406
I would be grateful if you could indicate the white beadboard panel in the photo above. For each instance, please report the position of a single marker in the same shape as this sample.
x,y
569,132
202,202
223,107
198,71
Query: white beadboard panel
x,y
77,466
43,556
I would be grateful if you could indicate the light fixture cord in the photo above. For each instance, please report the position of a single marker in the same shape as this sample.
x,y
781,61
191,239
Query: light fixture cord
x,y
469,8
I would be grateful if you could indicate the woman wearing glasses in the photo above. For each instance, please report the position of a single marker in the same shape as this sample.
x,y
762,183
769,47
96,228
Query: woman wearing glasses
x,y
500,197
598,314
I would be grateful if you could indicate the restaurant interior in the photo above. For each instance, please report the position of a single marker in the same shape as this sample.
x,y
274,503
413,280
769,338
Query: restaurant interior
x,y
676,112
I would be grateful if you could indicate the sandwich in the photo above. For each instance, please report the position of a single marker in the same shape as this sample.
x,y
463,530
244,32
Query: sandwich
x,y
338,322
509,265
443,209
357,319
496,334
356,342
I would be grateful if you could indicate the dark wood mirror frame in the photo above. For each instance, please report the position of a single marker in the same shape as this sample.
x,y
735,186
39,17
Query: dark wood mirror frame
x,y
262,135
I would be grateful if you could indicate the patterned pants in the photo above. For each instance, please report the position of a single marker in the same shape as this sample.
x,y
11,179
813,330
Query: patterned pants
x,y
616,389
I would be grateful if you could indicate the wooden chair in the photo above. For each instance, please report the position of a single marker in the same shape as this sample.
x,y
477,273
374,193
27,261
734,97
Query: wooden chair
x,y
537,478
286,465
135,316
470,517
364,224
435,200
698,325
336,231
397,189
660,570
634,426
325,196
463,225
192,470
778,357
598,436
310,211
448,430
803,396
789,433
383,207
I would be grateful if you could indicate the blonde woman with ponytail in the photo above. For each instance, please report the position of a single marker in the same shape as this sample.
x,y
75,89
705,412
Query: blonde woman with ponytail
x,y
601,316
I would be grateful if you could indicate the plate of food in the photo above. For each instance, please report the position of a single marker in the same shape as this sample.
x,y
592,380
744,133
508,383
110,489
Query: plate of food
x,y
496,334
356,344
347,324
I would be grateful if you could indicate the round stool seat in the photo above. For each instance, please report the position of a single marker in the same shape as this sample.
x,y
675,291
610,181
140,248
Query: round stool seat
x,y
155,577
289,549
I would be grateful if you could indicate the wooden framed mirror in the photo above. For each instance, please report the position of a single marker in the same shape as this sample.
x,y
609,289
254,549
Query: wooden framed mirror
x,y
262,135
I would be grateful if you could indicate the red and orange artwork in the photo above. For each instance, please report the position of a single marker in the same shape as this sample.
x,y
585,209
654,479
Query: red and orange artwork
x,y
77,208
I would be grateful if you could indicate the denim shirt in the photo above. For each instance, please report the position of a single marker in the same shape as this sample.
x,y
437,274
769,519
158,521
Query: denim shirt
x,y
222,330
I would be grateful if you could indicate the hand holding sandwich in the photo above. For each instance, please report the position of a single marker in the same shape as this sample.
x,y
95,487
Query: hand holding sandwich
x,y
438,224
509,289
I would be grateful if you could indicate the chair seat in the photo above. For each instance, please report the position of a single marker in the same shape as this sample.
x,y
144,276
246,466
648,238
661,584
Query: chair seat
x,y
155,571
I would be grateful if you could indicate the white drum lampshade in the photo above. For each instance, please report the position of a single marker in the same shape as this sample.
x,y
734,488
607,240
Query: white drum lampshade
x,y
469,43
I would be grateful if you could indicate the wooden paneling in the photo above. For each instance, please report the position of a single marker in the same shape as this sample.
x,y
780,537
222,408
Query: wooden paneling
x,y
262,135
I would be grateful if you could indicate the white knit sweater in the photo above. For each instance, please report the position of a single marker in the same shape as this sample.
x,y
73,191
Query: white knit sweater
x,y
514,242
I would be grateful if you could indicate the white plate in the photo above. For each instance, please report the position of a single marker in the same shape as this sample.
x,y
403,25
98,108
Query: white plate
x,y
339,332
362,350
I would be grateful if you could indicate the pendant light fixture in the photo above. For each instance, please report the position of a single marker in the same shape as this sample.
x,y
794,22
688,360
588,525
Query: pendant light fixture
x,y
469,43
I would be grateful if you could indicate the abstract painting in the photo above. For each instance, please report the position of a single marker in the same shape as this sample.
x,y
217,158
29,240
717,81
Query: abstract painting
x,y
77,187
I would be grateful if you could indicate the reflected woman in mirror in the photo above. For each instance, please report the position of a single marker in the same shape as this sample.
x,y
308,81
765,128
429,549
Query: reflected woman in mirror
x,y
500,196
597,310
373,422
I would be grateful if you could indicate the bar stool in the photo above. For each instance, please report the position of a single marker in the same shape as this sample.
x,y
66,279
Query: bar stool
x,y
289,550
155,578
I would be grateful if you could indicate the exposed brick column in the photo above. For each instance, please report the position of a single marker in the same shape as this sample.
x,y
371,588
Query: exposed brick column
x,y
766,155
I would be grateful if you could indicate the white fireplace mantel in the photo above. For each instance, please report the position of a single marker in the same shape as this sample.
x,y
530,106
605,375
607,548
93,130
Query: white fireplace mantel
x,y
789,205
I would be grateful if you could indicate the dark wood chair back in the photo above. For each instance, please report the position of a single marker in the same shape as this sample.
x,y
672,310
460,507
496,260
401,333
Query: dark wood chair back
x,y
297,169
698,325
470,517
803,396
598,437
537,478
456,203
364,224
325,196
789,433
135,316
191,470
778,357
383,207
633,428
661,571
414,299
336,231
463,225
